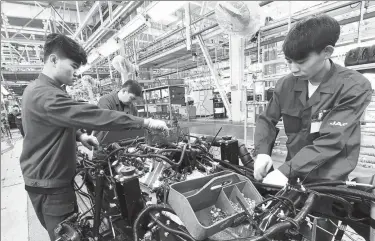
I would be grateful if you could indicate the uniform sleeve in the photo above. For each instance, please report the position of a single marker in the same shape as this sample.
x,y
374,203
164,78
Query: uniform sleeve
x,y
265,129
335,131
104,104
63,111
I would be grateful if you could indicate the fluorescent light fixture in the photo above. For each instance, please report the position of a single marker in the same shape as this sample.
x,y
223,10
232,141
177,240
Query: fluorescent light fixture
x,y
94,55
109,47
164,8
131,27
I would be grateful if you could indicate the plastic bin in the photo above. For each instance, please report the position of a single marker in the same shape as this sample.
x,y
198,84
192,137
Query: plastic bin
x,y
193,201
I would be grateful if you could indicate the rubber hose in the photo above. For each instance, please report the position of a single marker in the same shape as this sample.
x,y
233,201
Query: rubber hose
x,y
171,230
339,190
143,212
230,165
329,183
244,155
175,150
280,227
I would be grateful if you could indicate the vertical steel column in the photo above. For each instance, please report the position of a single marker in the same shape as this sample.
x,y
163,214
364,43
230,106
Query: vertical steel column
x,y
100,14
79,18
214,75
110,68
187,25
110,10
27,54
360,23
123,54
236,58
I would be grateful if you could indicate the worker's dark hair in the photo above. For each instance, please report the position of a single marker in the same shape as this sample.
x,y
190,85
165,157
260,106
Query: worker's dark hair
x,y
309,35
66,47
133,87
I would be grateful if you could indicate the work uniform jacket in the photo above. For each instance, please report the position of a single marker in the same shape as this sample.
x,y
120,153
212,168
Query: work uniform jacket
x,y
51,119
323,131
111,102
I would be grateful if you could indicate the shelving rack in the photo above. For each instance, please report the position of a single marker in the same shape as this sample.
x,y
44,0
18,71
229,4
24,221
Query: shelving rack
x,y
157,101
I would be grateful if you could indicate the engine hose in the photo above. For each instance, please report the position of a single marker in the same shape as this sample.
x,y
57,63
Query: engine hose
x,y
345,191
176,150
145,211
112,153
228,165
329,183
284,225
83,180
244,155
171,230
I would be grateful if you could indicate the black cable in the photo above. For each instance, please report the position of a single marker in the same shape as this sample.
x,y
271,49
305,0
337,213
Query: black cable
x,y
345,191
327,183
145,211
83,180
281,199
171,230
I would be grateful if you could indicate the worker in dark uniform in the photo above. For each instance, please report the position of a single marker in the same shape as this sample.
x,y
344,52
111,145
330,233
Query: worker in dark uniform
x,y
321,104
51,120
121,100
18,119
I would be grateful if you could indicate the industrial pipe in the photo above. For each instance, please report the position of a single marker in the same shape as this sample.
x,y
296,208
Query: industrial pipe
x,y
178,30
129,8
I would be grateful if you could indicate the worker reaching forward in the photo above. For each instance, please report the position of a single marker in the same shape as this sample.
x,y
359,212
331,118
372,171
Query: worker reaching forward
x,y
51,120
321,104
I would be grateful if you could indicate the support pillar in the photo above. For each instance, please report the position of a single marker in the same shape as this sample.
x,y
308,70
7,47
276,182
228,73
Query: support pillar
x,y
237,65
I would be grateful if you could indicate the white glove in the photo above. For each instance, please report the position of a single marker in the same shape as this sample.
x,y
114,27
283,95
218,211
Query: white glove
x,y
156,124
276,178
262,165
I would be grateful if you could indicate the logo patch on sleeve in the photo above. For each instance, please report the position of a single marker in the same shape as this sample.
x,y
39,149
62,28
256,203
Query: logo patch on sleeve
x,y
338,123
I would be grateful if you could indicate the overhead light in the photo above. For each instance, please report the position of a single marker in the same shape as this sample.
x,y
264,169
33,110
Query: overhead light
x,y
131,27
164,8
109,47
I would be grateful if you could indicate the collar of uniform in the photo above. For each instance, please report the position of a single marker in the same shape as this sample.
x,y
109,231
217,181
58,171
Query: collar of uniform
x,y
325,85
47,80
115,96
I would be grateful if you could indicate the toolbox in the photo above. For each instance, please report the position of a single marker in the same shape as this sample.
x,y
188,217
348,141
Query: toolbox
x,y
194,200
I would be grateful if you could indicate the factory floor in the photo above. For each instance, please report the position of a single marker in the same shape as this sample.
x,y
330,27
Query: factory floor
x,y
19,222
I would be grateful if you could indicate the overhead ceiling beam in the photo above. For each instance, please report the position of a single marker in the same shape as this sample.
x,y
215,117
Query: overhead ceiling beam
x,y
14,29
23,41
13,9
83,24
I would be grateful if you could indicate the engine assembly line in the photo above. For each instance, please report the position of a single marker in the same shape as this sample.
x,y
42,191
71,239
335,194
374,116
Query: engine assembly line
x,y
180,191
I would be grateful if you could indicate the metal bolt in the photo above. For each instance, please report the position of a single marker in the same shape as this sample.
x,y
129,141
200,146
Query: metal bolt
x,y
168,222
157,215
101,172
166,234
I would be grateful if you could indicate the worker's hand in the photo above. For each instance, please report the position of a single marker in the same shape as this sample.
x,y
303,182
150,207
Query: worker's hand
x,y
276,178
89,141
156,124
262,165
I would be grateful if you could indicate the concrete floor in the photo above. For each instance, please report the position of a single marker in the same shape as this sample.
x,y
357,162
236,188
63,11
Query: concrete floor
x,y
19,222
